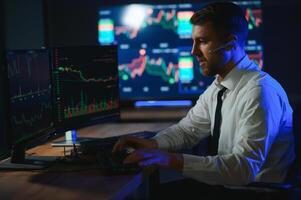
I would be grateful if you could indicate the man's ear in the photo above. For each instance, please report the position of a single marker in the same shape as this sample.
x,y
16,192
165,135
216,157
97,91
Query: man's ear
x,y
232,42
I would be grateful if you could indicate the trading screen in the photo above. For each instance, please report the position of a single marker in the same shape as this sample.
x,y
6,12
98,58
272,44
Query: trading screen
x,y
154,45
30,93
85,81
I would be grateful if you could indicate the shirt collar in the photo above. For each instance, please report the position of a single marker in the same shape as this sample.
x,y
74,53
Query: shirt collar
x,y
232,78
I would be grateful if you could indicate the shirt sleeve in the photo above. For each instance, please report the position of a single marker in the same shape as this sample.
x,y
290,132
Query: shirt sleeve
x,y
189,131
258,126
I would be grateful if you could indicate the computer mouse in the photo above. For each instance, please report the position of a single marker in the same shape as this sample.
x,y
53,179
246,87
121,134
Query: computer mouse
x,y
119,156
129,150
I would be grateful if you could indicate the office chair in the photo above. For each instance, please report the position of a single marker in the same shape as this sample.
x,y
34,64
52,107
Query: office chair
x,y
290,189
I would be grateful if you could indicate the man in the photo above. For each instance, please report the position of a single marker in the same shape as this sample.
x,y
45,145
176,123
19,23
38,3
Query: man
x,y
245,111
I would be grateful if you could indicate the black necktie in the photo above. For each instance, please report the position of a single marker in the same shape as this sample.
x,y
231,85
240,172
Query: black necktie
x,y
213,145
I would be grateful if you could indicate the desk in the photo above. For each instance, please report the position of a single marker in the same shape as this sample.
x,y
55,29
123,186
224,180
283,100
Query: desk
x,y
154,114
87,184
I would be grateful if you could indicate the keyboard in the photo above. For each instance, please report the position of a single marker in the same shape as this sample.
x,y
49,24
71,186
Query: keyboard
x,y
112,163
108,162
90,145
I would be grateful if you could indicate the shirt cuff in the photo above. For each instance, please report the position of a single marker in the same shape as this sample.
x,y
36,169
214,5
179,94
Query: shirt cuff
x,y
162,143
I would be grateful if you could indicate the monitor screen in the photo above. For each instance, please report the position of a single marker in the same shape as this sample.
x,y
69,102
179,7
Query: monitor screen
x,y
154,44
85,85
29,94
30,106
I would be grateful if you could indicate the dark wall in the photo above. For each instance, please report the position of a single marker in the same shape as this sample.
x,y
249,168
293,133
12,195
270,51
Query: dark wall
x,y
3,119
71,24
282,31
24,24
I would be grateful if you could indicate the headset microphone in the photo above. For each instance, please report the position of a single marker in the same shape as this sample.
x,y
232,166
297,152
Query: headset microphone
x,y
230,43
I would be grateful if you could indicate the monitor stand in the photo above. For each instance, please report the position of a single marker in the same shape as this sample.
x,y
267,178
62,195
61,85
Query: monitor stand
x,y
19,161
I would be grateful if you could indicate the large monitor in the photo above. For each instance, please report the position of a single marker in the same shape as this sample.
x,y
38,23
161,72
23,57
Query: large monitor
x,y
85,85
30,106
154,44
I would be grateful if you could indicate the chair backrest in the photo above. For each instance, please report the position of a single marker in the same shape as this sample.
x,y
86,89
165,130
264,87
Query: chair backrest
x,y
294,174
297,131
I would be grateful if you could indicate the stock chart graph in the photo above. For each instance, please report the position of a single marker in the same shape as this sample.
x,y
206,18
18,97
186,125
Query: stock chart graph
x,y
154,44
30,92
85,82
169,73
254,18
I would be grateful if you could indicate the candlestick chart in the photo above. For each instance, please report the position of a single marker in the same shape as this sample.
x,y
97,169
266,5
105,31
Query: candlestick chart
x,y
85,82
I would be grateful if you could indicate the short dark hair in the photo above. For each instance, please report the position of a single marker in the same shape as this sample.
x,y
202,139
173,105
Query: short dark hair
x,y
226,17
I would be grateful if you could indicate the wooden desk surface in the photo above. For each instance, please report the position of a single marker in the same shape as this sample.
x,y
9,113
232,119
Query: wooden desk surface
x,y
82,184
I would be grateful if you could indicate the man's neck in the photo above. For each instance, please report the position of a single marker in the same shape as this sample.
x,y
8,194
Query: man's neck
x,y
238,56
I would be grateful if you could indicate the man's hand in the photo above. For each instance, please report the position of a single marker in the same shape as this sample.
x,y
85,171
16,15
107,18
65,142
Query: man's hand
x,y
136,143
146,157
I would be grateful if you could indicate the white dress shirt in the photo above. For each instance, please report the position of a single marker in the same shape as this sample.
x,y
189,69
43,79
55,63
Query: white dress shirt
x,y
256,142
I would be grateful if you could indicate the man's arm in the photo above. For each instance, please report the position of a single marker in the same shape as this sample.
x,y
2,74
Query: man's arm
x,y
190,130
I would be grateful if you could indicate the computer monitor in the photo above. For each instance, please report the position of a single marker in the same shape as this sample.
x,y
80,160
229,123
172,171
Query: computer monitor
x,y
30,106
154,44
85,86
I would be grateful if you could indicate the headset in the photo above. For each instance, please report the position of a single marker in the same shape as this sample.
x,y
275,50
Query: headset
x,y
228,44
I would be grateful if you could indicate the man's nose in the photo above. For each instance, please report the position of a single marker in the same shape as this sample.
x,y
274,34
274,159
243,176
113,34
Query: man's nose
x,y
195,50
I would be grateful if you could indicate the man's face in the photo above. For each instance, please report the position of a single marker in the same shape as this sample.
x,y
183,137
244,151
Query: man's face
x,y
205,38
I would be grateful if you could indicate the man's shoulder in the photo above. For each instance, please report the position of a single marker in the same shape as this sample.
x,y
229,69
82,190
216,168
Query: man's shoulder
x,y
266,81
260,79
260,83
